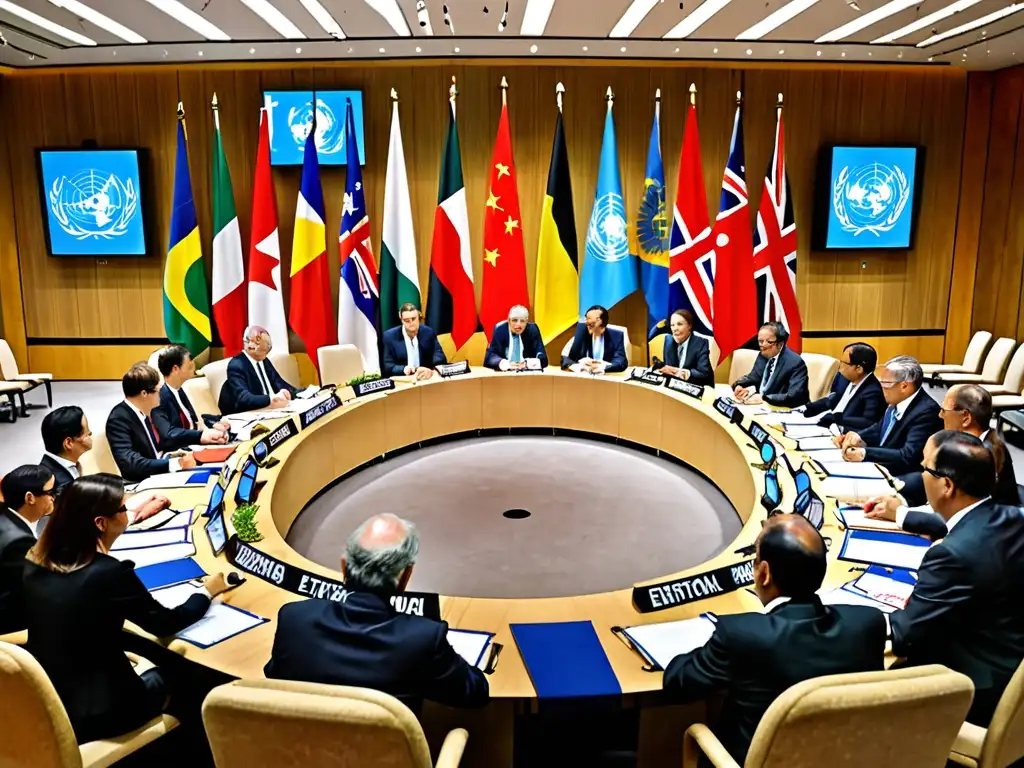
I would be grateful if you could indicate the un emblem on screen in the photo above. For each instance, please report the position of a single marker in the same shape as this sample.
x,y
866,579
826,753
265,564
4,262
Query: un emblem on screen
x,y
330,131
607,236
93,204
870,198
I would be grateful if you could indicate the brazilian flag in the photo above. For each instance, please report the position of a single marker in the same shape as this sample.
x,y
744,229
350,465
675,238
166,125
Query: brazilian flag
x,y
186,297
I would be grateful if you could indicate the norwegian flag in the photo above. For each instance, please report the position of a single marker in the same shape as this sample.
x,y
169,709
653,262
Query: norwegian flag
x,y
775,248
691,254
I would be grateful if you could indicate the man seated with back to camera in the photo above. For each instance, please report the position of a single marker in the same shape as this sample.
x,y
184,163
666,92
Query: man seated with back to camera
x,y
855,400
66,438
362,641
754,657
253,383
177,422
779,376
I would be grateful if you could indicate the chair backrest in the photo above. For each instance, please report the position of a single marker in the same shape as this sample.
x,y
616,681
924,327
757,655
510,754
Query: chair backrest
x,y
821,369
153,363
8,365
34,727
339,363
975,350
742,362
100,458
216,373
1004,742
900,717
625,342
200,395
1014,379
714,352
286,365
998,356
289,724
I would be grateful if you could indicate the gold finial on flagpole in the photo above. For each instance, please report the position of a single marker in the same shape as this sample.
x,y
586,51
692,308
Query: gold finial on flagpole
x,y
181,111
453,91
559,90
739,98
394,95
504,91
693,94
610,98
778,108
216,111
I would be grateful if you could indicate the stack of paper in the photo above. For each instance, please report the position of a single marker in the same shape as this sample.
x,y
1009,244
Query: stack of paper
x,y
855,517
194,478
890,587
471,645
660,643
853,469
138,539
791,417
800,431
894,550
856,489
221,621
846,595
821,443
824,455
142,556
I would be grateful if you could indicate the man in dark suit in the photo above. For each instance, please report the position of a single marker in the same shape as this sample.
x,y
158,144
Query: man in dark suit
x,y
965,611
686,355
177,422
897,440
131,432
66,437
596,347
361,640
253,384
754,657
412,349
28,495
515,343
855,400
779,375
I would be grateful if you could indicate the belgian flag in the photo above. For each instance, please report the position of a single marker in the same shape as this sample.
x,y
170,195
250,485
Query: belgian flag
x,y
556,300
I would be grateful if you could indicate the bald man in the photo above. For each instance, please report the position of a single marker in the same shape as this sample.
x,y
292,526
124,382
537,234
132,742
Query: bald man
x,y
754,657
362,641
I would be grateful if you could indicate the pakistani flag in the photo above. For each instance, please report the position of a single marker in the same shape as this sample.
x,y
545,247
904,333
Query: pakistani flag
x,y
228,267
399,275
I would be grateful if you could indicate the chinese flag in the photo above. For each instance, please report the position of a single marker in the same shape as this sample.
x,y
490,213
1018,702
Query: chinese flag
x,y
504,257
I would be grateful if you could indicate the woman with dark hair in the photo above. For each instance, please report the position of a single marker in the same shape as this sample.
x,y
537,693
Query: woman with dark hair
x,y
77,599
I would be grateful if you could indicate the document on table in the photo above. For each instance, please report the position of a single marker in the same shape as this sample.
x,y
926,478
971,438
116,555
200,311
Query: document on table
x,y
660,643
824,455
160,519
145,539
195,478
152,555
172,597
859,469
822,443
802,431
845,595
892,588
221,622
894,550
792,418
471,645
855,517
856,489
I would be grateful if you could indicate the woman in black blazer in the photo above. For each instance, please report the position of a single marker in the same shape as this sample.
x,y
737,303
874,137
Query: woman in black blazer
x,y
77,599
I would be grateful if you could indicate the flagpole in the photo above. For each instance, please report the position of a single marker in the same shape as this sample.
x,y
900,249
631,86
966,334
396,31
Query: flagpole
x,y
452,93
739,99
610,98
693,94
394,96
559,90
504,91
778,108
181,119
216,112
657,103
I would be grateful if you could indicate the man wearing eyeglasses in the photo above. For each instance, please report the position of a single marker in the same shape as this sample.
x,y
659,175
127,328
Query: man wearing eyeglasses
x,y
779,375
855,400
28,495
897,440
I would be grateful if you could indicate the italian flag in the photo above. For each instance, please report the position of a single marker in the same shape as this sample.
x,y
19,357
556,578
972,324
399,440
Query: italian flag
x,y
229,312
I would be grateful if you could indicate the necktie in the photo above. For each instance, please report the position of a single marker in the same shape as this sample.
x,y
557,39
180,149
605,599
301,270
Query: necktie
x,y
768,371
264,381
78,468
888,421
188,415
516,355
153,438
682,354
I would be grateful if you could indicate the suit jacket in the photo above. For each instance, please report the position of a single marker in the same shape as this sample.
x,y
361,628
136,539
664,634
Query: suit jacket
x,y
75,623
132,448
754,657
865,407
16,539
61,476
614,348
904,448
788,384
396,358
242,391
698,358
533,345
171,422
965,611
362,641
1005,491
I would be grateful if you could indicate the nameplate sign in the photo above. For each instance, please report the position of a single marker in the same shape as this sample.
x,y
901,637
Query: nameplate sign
x,y
725,408
678,385
649,377
671,594
321,409
453,369
268,444
373,386
247,558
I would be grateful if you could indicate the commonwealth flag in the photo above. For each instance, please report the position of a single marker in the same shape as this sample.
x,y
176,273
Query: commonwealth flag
x,y
228,267
399,274
186,300
652,233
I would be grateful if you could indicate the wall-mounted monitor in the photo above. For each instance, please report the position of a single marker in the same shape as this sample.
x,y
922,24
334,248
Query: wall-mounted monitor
x,y
291,119
867,197
93,201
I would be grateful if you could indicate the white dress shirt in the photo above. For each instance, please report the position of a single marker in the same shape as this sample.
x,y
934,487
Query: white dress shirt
x,y
773,604
505,363
901,513
261,374
412,351
597,347
173,465
683,348
181,405
70,466
848,394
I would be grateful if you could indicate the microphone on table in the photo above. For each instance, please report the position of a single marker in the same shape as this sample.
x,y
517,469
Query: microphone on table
x,y
657,363
234,579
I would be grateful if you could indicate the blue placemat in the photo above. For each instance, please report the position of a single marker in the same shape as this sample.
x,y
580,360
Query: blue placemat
x,y
565,659
170,573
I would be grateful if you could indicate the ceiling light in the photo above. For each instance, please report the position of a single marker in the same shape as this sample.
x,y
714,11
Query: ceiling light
x,y
456,49
535,17
44,23
200,53
927,21
930,58
533,48
379,50
418,49
818,53
585,49
298,50
782,51
252,50
103,22
749,51
622,49
323,17
696,18
776,19
715,51
843,54
194,21
1000,14
392,14
676,50
872,17
277,20
631,19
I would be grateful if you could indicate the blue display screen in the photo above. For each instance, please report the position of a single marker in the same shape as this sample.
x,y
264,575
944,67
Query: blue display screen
x,y
93,202
871,197
291,118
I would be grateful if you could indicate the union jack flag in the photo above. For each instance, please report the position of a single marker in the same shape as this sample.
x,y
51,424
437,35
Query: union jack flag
x,y
775,248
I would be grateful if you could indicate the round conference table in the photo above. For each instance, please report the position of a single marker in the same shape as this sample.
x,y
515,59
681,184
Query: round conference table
x,y
367,428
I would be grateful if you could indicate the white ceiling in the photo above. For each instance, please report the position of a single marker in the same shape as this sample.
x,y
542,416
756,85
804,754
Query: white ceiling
x,y
573,29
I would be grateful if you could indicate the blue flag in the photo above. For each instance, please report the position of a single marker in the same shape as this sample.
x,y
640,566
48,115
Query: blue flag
x,y
652,236
609,270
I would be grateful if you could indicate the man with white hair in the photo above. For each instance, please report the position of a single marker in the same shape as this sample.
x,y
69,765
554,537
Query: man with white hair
x,y
361,640
517,344
253,383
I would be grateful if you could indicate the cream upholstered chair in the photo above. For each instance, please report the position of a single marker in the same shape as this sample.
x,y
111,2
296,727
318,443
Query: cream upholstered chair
x,y
625,342
34,726
153,361
821,369
216,373
285,724
991,372
339,363
100,458
14,393
742,363
200,395
906,717
9,372
972,357
1013,381
1002,742
286,365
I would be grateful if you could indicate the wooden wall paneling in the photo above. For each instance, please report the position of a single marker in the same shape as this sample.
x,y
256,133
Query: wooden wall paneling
x,y
12,316
927,349
1008,293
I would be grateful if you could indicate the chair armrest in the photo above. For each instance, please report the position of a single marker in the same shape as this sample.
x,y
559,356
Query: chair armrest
x,y
968,744
15,638
451,751
699,738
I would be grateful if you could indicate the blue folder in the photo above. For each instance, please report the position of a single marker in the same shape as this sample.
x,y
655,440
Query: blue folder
x,y
170,573
200,477
565,660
